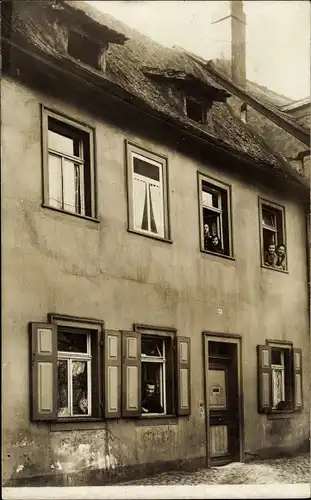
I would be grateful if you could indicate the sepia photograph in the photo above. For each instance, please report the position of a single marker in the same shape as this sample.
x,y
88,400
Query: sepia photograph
x,y
155,180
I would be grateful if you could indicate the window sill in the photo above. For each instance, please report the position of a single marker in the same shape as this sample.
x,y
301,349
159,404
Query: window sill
x,y
218,255
154,237
146,420
274,269
276,415
79,216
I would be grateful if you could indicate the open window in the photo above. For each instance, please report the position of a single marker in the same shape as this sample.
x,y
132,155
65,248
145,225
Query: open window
x,y
195,110
84,49
272,229
215,216
69,178
280,378
147,193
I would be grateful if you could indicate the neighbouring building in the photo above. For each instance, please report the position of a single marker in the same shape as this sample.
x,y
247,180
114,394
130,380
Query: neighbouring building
x,y
284,124
155,268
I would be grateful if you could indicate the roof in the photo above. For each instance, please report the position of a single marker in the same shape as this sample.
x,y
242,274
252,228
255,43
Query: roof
x,y
295,105
126,66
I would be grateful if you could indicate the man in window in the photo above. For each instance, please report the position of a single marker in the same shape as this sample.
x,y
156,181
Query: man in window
x,y
151,400
281,257
271,256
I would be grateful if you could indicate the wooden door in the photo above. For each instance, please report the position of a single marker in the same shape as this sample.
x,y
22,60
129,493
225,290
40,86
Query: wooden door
x,y
222,401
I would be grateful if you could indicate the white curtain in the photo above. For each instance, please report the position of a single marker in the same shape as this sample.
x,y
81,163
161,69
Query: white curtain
x,y
156,206
55,181
278,386
139,200
69,186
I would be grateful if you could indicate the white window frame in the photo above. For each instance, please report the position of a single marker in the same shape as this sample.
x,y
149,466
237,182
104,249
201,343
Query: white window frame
x,y
149,182
80,161
77,356
267,227
278,368
133,151
159,360
273,208
216,210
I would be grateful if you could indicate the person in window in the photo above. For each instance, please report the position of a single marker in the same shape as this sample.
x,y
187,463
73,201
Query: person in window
x,y
271,256
151,401
281,257
207,237
216,245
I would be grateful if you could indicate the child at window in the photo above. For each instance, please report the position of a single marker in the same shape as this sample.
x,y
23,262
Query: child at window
x,y
281,257
216,245
271,256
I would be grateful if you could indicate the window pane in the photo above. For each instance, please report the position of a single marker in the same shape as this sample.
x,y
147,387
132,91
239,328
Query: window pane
x,y
156,210
269,238
55,182
278,386
146,169
71,187
152,347
276,357
71,342
79,388
268,218
62,373
210,199
63,143
152,388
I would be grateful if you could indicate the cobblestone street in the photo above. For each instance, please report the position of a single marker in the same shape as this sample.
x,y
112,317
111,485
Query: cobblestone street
x,y
281,470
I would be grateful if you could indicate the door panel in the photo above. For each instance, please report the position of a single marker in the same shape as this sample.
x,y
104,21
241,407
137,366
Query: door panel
x,y
222,402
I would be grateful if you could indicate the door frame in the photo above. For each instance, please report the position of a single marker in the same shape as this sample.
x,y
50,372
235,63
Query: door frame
x,y
232,339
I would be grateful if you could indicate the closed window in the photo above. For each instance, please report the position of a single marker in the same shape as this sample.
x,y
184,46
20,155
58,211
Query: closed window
x,y
280,377
147,193
68,166
272,228
215,215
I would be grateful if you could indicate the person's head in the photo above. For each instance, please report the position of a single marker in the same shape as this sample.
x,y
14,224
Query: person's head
x,y
206,228
149,387
215,241
83,404
281,250
271,248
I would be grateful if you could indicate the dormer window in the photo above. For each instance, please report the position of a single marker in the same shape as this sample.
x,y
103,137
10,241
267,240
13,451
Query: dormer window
x,y
85,50
195,110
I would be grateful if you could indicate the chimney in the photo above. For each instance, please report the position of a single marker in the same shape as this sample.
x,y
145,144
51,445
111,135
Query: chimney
x,y
228,34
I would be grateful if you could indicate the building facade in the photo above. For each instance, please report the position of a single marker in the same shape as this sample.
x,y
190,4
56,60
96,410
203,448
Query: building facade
x,y
136,258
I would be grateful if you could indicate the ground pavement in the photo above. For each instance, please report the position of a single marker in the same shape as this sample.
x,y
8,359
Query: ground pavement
x,y
280,470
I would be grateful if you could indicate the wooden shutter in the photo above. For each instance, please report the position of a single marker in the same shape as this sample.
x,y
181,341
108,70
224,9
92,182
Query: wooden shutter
x,y
131,374
264,379
183,375
43,378
112,370
297,374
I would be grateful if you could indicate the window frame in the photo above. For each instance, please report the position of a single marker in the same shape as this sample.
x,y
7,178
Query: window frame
x,y
98,63
218,187
79,128
282,345
272,207
149,157
169,333
197,102
96,329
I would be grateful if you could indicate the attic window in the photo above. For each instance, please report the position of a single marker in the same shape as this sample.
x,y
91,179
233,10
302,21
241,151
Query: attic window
x,y
195,110
85,50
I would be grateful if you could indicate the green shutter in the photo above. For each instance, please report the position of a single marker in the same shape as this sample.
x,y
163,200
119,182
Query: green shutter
x,y
264,379
183,375
112,368
131,374
297,374
43,377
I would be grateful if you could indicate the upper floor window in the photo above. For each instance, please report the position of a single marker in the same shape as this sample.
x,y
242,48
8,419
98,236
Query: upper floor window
x,y
85,50
195,110
272,224
68,165
147,193
215,206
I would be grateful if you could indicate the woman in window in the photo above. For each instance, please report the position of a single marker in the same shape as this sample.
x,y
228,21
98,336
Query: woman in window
x,y
216,245
207,238
281,257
